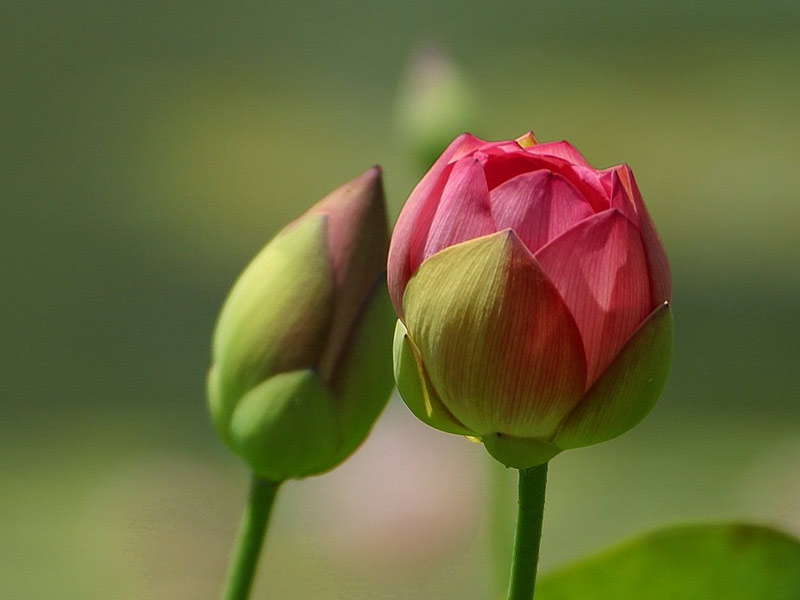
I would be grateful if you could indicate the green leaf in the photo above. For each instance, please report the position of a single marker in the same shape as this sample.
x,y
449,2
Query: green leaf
x,y
699,562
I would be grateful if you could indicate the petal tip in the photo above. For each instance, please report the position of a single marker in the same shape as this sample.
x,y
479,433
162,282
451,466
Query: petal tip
x,y
527,139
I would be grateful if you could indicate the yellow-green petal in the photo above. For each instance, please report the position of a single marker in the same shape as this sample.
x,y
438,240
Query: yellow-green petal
x,y
627,390
496,339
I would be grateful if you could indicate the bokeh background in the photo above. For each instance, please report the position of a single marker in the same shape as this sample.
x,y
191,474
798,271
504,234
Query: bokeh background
x,y
150,148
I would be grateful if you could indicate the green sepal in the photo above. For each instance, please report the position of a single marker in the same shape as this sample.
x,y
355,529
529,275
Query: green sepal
x,y
415,387
519,453
275,319
287,427
496,339
627,390
362,380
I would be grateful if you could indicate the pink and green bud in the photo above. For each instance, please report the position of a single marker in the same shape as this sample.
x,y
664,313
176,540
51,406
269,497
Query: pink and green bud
x,y
298,371
533,294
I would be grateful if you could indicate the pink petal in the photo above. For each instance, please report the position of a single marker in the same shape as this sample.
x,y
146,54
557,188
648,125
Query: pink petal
x,y
657,263
469,143
560,149
599,267
463,212
587,180
539,206
411,229
501,166
504,146
618,194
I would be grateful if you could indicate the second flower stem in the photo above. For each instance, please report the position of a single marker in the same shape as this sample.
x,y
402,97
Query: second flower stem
x,y
528,534
251,539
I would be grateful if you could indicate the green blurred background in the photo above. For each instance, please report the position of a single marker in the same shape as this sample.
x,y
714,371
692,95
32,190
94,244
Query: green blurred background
x,y
150,149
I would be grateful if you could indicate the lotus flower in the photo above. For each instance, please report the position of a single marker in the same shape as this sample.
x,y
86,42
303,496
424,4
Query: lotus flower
x,y
533,293
298,376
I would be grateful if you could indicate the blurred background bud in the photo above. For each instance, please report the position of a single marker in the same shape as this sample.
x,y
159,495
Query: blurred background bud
x,y
301,366
436,102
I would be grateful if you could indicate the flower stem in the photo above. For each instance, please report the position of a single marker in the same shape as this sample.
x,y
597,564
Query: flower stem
x,y
528,534
250,540
500,525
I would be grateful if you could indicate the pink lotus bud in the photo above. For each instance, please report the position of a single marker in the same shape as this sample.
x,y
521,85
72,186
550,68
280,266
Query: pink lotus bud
x,y
533,294
298,376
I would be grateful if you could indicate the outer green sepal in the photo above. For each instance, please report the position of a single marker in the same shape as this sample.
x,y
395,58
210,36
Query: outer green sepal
x,y
519,453
362,382
495,337
415,388
287,426
276,317
627,390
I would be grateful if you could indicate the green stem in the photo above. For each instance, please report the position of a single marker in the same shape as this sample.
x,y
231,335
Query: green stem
x,y
500,525
528,534
251,538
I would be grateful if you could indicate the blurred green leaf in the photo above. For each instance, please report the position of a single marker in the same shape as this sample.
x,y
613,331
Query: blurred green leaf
x,y
700,562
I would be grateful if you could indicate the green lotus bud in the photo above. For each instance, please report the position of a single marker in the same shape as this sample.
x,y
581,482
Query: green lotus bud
x,y
299,373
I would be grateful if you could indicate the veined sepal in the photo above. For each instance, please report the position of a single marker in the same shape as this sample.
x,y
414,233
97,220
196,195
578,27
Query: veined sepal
x,y
494,337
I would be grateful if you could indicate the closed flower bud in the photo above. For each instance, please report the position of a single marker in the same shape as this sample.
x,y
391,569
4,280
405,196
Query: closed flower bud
x,y
299,373
533,294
